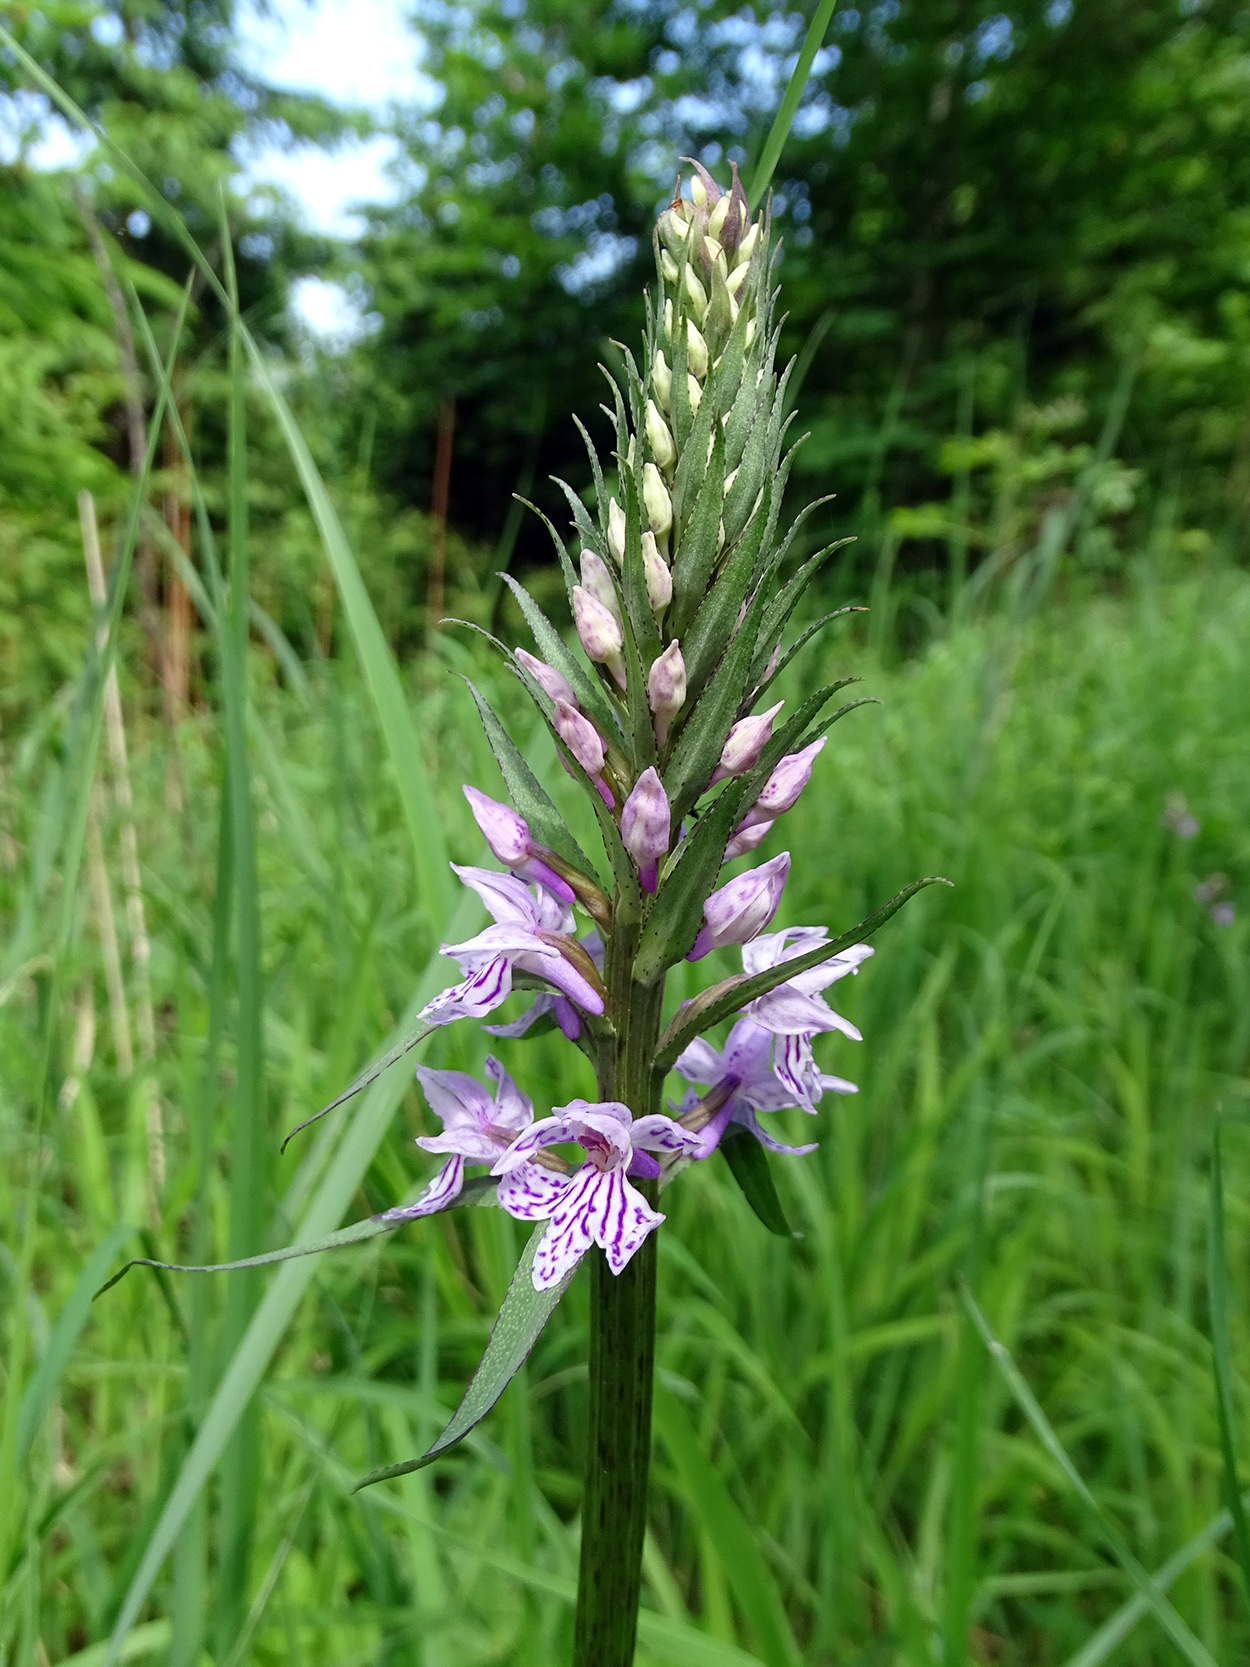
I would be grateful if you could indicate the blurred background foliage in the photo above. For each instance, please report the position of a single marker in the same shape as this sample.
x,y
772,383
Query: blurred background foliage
x,y
1016,273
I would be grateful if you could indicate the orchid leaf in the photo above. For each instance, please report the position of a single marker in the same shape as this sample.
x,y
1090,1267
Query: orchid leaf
x,y
696,557
734,993
368,1075
479,1190
704,643
521,1319
802,642
528,796
749,1163
787,600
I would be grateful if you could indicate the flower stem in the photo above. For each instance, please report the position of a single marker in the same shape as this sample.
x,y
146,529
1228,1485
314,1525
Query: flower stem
x,y
622,1356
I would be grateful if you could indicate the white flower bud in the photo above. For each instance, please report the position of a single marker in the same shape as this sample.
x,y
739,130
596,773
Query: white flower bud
x,y
747,246
659,579
696,351
659,505
659,438
598,581
666,688
669,267
616,531
662,380
698,192
716,219
696,292
668,319
736,280
712,248
694,393
750,333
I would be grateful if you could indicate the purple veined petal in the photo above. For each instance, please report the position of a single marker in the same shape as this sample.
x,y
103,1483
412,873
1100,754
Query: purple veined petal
x,y
711,1132
510,940
609,1118
770,949
837,1085
507,898
787,1011
658,1133
442,1191
548,1131
828,972
467,1143
531,1193
623,1218
747,1050
567,1019
541,1004
570,1234
699,1062
455,1098
643,1167
551,914
511,1108
480,993
751,1122
794,1068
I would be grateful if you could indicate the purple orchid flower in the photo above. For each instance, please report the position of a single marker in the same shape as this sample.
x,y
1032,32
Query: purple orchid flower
x,y
509,838
596,1204
477,1127
742,1082
741,908
531,932
795,1012
560,1007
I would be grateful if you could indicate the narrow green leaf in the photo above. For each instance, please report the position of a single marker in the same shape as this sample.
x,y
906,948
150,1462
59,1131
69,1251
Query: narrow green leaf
x,y
702,740
478,1190
1222,1361
780,130
521,1319
528,795
748,1161
697,554
370,1074
1190,1647
787,600
714,623
801,643
732,994
41,1389
753,1586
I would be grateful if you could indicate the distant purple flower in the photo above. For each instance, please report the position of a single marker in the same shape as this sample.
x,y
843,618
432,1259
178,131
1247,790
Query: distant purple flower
x,y
528,932
508,836
596,1204
741,908
477,1127
744,1082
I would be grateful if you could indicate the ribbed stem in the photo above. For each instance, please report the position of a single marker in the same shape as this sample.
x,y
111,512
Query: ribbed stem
x,y
622,1362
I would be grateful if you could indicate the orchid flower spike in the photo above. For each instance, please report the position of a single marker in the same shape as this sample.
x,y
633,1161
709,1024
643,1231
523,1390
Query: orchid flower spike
x,y
508,836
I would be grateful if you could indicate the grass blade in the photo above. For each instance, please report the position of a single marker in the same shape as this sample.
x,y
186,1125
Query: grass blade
x,y
780,131
1190,1647
1217,1296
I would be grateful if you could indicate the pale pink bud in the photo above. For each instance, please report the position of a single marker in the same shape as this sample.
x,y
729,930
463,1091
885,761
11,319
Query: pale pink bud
x,y
655,498
666,682
659,579
646,826
598,581
580,736
741,909
789,779
600,632
658,437
547,677
747,740
508,836
750,832
616,531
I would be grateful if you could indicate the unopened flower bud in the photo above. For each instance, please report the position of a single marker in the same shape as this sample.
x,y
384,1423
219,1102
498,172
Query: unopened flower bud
x,y
696,351
658,437
750,832
616,531
741,909
598,581
716,219
698,192
646,825
656,501
788,780
580,736
694,393
672,227
666,682
750,333
736,280
712,250
668,319
509,839
746,247
662,380
659,579
696,292
547,677
747,740
669,267
600,632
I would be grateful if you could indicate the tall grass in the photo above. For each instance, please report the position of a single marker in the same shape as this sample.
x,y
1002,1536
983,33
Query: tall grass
x,y
843,1473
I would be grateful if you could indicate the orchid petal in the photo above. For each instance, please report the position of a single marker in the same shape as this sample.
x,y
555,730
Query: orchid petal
x,y
442,1190
531,1193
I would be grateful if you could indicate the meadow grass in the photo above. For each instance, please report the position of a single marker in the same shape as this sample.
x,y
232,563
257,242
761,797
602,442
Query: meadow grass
x,y
843,1473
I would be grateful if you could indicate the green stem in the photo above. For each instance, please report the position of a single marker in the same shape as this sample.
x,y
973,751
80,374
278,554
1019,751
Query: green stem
x,y
622,1358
